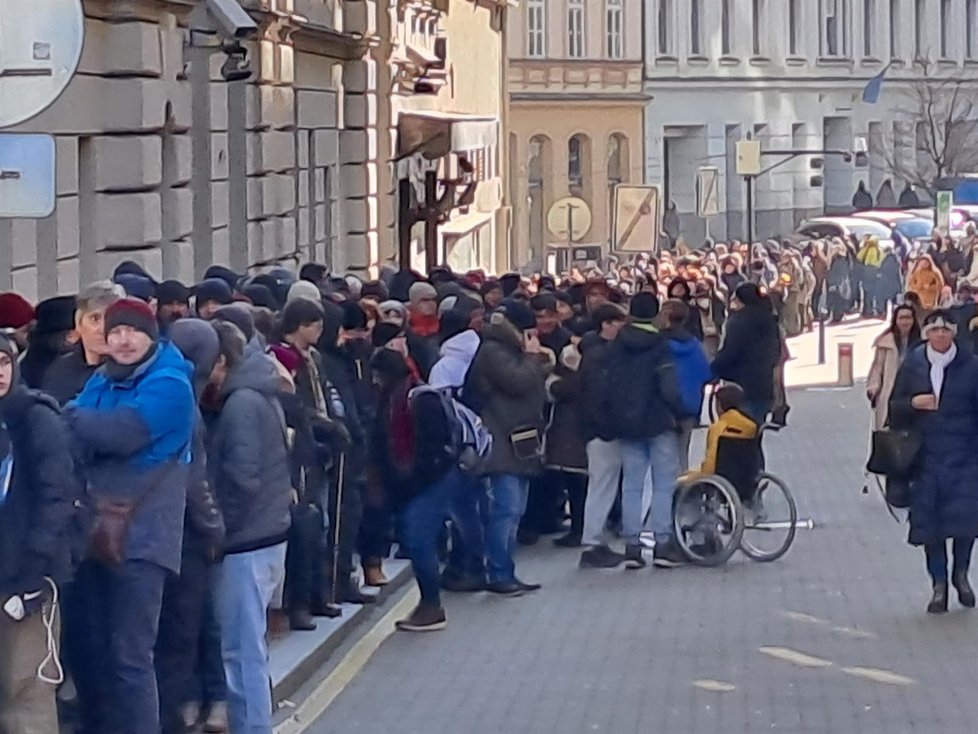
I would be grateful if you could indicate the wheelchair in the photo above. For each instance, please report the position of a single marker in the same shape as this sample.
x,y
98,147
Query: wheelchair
x,y
741,507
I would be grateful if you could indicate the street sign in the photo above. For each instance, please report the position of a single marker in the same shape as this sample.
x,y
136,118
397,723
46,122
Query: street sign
x,y
638,217
40,47
707,192
942,211
748,154
569,219
27,176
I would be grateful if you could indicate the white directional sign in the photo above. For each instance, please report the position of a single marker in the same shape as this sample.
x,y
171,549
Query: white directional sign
x,y
26,176
707,192
40,47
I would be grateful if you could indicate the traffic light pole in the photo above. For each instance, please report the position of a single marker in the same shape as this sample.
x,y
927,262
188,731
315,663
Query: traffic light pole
x,y
790,155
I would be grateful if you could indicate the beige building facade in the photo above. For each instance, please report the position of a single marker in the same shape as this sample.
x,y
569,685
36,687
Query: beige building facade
x,y
576,117
162,161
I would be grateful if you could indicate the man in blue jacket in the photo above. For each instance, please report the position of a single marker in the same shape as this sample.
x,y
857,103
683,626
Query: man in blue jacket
x,y
133,425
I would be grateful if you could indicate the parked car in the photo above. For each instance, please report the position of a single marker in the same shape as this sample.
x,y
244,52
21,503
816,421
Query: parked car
x,y
822,227
960,216
911,227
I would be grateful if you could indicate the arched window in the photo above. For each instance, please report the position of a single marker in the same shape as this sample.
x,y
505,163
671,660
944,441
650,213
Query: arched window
x,y
617,159
575,160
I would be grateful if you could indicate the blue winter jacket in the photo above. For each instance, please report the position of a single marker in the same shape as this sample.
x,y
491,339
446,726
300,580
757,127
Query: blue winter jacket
x,y
692,370
134,438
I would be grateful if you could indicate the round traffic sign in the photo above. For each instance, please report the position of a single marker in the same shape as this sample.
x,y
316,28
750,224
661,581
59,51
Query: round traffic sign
x,y
40,47
569,213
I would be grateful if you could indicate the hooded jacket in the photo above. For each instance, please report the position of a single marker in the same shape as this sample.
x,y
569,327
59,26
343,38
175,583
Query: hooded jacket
x,y
692,370
750,352
134,436
641,394
37,512
457,354
509,387
248,458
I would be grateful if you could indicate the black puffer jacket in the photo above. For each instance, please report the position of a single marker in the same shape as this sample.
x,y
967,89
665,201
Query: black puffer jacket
x,y
592,378
36,516
248,459
509,387
66,378
750,352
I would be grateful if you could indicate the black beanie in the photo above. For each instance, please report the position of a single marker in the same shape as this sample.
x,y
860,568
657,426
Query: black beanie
x,y
132,312
509,283
260,295
300,312
354,317
386,333
452,323
172,291
645,307
54,315
226,274
213,289
518,314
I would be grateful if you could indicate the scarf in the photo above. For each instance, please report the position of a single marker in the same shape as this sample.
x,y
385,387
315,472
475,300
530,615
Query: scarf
x,y
938,364
423,325
121,372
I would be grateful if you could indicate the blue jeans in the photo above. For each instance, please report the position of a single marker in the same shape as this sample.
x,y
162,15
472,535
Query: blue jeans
x,y
507,503
422,520
246,583
661,453
468,556
117,614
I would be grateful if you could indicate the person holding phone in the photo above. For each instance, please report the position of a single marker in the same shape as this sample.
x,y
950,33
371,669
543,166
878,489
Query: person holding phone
x,y
936,395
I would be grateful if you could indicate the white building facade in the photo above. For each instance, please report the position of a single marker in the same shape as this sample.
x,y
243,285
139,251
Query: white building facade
x,y
791,74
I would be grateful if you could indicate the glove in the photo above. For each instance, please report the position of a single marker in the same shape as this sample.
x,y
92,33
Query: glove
x,y
23,605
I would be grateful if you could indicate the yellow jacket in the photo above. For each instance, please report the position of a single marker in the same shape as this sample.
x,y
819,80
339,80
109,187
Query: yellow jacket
x,y
870,255
731,424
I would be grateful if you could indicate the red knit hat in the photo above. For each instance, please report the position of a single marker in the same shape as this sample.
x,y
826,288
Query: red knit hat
x,y
15,311
132,312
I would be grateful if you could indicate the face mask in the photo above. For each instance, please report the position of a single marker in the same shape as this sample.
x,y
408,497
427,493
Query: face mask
x,y
703,303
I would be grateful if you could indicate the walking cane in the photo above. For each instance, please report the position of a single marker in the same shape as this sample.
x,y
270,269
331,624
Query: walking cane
x,y
333,608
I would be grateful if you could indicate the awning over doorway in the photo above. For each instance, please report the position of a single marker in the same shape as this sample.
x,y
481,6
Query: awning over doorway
x,y
436,134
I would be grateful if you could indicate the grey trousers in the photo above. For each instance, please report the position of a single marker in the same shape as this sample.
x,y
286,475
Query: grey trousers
x,y
603,475
27,704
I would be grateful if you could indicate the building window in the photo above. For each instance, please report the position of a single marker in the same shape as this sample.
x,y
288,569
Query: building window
x,y
869,27
834,36
919,28
794,27
696,27
536,21
946,29
971,30
664,20
575,160
726,22
895,29
575,29
613,18
617,159
757,29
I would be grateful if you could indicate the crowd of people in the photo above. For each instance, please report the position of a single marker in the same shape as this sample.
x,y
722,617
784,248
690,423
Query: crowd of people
x,y
189,471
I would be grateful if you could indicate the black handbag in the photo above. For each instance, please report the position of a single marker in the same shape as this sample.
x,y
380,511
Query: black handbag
x,y
893,453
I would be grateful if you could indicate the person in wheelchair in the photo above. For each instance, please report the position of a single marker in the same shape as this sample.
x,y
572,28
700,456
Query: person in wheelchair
x,y
733,449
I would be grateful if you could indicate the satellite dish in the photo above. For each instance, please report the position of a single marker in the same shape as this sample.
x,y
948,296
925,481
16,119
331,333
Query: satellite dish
x,y
40,47
569,212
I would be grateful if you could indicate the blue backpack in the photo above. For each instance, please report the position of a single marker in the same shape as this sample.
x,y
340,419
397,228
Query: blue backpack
x,y
471,442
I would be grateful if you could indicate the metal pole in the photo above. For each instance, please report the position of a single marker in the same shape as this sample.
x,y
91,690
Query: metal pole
x,y
821,339
333,608
750,209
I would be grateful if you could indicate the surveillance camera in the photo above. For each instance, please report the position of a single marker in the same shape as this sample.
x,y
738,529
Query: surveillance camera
x,y
231,18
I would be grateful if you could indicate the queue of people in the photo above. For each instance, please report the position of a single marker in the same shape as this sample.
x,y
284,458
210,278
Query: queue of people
x,y
189,472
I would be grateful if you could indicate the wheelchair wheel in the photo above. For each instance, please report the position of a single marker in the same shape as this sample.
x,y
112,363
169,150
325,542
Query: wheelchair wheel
x,y
769,520
708,520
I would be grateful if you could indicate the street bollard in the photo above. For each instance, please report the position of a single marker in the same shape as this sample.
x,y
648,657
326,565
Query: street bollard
x,y
845,365
821,340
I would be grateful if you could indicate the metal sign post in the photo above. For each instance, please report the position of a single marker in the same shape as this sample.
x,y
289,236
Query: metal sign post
x,y
942,211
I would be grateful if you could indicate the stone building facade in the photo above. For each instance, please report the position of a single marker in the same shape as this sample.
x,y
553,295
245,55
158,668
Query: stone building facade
x,y
577,110
791,73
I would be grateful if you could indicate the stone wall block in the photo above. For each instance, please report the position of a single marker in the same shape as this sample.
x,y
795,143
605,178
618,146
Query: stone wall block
x,y
220,204
24,246
316,109
68,276
179,213
313,71
221,246
128,163
25,282
183,159
66,221
66,157
219,156
357,146
327,147
127,220
359,76
116,49
178,259
219,105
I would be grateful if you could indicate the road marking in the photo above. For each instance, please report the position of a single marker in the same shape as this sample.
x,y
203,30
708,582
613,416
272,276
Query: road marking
x,y
854,633
347,668
877,675
794,657
802,617
716,686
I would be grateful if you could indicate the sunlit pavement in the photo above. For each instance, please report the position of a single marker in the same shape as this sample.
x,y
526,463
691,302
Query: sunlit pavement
x,y
831,639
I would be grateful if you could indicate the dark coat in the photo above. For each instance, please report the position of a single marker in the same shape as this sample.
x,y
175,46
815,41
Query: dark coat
x,y
641,392
135,436
750,352
66,378
890,283
508,385
36,516
592,378
248,459
566,444
944,491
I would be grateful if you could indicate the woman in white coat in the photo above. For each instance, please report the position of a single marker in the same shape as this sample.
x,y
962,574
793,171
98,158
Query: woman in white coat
x,y
890,348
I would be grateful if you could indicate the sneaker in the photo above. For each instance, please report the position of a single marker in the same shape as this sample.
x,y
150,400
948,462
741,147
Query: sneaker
x,y
373,575
528,586
217,718
601,556
506,588
424,618
668,555
633,557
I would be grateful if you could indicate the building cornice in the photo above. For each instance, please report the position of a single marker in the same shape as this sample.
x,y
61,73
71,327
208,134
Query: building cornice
x,y
639,98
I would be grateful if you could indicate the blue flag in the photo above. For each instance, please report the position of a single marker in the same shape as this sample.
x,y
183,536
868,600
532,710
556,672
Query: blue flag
x,y
871,93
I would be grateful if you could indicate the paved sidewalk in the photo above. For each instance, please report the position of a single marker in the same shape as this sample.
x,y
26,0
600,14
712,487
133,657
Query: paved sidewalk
x,y
848,647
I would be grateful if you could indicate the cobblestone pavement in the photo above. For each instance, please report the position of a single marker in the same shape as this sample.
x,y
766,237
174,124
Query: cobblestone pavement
x,y
841,617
